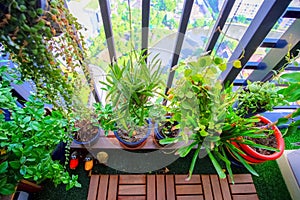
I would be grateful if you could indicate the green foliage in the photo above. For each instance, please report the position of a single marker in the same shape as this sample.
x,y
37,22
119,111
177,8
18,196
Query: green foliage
x,y
259,97
27,141
105,117
29,34
204,109
131,87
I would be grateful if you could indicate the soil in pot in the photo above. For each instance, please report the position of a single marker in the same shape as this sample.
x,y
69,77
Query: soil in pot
x,y
168,129
269,141
87,131
136,135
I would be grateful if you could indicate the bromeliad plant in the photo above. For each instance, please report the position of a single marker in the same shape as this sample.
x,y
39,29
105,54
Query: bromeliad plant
x,y
29,33
27,141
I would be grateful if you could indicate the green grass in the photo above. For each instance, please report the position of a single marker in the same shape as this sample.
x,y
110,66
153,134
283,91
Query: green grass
x,y
289,140
270,184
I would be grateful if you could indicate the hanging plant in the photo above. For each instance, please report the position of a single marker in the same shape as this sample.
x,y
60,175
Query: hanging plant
x,y
42,38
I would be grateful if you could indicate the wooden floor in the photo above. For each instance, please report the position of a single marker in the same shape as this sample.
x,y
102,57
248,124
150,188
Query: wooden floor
x,y
136,187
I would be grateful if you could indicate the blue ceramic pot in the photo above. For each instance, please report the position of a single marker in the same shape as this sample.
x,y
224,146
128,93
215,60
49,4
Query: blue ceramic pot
x,y
137,143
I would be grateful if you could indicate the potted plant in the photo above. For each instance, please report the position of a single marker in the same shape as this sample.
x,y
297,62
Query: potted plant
x,y
258,97
164,119
28,31
27,141
132,85
86,128
209,123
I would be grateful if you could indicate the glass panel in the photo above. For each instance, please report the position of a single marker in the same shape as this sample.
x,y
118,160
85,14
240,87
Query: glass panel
x,y
237,23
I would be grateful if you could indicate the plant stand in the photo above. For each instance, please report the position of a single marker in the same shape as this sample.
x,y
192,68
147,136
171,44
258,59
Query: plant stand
x,y
111,142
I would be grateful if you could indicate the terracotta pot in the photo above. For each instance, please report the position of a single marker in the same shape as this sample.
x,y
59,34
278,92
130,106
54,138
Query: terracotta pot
x,y
255,157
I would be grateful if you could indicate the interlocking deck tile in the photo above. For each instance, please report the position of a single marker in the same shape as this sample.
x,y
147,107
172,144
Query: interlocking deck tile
x,y
170,187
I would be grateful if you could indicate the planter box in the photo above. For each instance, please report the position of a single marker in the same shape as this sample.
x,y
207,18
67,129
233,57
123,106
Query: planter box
x,y
289,165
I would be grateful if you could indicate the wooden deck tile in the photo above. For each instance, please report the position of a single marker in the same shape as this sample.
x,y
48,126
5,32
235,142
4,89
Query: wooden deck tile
x,y
225,189
160,187
93,187
151,193
188,189
112,187
242,188
242,178
170,187
181,179
245,197
132,190
131,197
132,179
216,186
103,187
207,187
191,197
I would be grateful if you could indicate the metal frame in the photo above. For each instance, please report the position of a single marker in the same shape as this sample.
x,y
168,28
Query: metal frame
x,y
105,13
145,24
264,20
188,4
275,59
273,43
292,12
224,13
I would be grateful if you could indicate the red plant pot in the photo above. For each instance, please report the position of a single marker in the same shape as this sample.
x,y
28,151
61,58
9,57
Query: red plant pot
x,y
248,158
261,157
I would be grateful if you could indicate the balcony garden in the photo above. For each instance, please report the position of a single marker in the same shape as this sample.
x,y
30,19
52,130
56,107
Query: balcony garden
x,y
158,98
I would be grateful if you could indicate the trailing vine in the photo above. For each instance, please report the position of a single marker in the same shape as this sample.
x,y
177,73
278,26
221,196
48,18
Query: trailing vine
x,y
42,38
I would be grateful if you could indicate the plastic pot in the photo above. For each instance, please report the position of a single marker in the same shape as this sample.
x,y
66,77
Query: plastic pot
x,y
253,156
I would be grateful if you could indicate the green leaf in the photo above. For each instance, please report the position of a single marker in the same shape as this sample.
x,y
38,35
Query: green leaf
x,y
187,72
237,64
222,66
216,164
3,137
183,151
243,161
35,125
3,167
168,141
192,166
282,121
3,181
55,166
296,113
7,189
290,130
23,170
291,77
218,60
26,119
15,164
